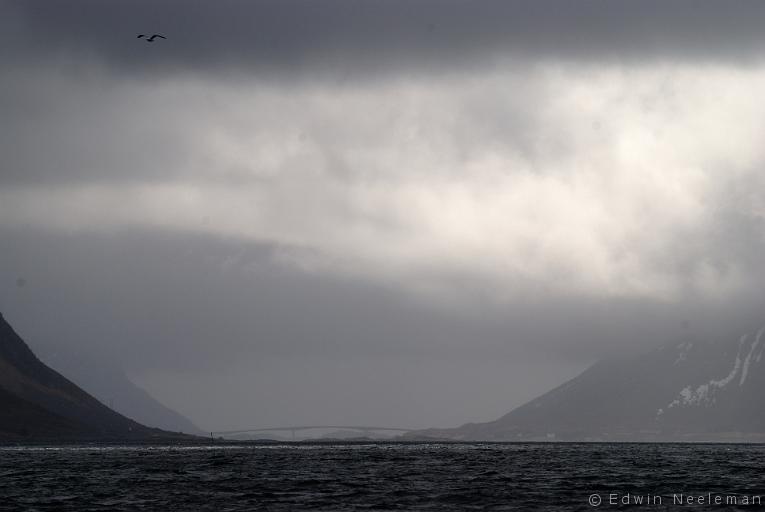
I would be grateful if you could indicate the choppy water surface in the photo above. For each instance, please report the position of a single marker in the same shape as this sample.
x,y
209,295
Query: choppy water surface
x,y
380,477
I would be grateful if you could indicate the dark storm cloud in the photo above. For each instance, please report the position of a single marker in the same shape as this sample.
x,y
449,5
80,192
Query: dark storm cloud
x,y
64,129
363,37
392,191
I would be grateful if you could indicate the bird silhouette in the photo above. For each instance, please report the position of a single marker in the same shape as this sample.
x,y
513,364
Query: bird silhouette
x,y
151,39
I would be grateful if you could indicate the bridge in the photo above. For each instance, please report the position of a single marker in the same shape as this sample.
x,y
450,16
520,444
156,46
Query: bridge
x,y
364,429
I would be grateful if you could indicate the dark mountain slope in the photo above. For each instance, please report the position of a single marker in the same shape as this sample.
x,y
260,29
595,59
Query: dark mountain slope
x,y
20,419
37,401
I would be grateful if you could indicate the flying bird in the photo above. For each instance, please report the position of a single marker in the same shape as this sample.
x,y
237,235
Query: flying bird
x,y
151,39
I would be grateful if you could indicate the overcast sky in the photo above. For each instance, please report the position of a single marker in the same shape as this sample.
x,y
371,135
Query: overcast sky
x,y
410,213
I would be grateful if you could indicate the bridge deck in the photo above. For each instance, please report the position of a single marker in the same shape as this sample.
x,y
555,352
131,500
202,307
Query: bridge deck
x,y
309,427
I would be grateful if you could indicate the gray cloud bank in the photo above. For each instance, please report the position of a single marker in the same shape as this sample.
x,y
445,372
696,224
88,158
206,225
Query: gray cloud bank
x,y
232,337
447,206
373,36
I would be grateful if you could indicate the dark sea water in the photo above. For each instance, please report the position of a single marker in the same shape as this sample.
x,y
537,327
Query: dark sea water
x,y
435,477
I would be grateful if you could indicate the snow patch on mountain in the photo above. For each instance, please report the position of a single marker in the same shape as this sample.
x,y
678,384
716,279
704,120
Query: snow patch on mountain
x,y
705,393
745,369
